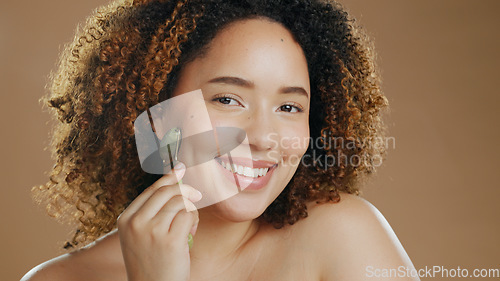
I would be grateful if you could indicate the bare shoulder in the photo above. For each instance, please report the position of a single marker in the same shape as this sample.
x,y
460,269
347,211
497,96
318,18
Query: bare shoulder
x,y
351,219
351,211
59,268
352,239
100,260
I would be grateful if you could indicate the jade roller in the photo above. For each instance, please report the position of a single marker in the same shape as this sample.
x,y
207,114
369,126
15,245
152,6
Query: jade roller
x,y
169,147
169,151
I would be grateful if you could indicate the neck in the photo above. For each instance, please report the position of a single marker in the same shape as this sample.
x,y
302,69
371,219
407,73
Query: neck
x,y
218,239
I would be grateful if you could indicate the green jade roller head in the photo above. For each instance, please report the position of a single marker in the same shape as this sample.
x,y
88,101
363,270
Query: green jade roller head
x,y
169,151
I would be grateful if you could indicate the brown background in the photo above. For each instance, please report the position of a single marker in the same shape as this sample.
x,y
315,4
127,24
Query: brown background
x,y
438,188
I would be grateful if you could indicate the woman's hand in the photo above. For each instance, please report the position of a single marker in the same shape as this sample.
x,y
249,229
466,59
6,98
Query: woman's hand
x,y
154,230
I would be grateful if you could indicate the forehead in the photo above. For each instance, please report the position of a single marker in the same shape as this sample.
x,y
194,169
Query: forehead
x,y
255,31
254,49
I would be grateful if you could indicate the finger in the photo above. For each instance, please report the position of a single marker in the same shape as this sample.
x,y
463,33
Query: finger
x,y
166,215
168,179
179,171
162,196
183,223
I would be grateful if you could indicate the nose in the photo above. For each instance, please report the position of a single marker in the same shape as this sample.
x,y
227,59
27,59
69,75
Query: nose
x,y
261,132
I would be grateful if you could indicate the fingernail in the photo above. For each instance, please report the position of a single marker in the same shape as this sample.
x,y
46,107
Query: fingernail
x,y
179,166
195,196
179,170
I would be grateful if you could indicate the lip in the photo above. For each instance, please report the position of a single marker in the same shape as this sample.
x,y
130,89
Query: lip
x,y
243,161
248,183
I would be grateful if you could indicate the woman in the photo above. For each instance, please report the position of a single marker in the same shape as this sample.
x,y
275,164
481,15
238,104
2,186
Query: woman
x,y
281,71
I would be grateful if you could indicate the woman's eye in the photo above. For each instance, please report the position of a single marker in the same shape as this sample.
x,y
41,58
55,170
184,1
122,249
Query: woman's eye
x,y
290,108
227,101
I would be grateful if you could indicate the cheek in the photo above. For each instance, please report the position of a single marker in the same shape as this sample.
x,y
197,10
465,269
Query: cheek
x,y
294,141
220,120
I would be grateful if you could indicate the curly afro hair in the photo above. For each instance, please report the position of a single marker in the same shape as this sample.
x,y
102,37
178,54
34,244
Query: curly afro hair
x,y
127,58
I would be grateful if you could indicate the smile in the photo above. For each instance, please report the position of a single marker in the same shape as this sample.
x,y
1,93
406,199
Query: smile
x,y
244,170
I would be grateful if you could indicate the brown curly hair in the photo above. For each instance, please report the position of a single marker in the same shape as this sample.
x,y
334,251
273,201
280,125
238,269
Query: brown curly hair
x,y
127,58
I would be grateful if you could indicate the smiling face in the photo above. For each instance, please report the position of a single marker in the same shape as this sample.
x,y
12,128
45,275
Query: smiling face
x,y
254,76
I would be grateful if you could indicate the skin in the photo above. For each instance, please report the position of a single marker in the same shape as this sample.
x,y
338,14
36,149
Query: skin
x,y
336,242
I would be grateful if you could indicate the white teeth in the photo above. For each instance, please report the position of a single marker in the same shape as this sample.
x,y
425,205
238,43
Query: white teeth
x,y
248,172
245,171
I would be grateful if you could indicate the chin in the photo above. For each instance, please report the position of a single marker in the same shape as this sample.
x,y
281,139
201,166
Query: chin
x,y
242,207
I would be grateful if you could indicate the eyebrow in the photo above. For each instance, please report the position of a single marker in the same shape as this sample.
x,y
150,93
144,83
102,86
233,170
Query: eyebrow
x,y
294,90
230,80
233,81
